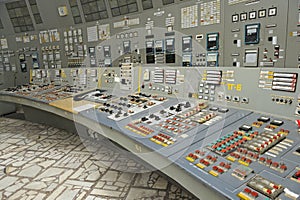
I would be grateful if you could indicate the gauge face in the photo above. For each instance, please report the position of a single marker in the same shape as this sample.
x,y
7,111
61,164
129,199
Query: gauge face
x,y
235,18
252,15
243,16
122,36
272,12
262,13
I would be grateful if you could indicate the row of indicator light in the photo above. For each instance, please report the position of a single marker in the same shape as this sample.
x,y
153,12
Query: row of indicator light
x,y
245,157
265,141
163,139
273,165
220,169
177,125
141,130
248,194
207,161
230,142
193,111
197,154
205,118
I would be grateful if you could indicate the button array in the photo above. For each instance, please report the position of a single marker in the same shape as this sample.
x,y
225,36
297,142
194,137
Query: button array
x,y
266,187
220,169
264,141
248,194
176,125
141,130
163,139
231,142
243,156
207,161
281,167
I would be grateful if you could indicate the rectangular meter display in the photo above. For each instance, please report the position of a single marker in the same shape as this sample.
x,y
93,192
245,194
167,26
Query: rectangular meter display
x,y
212,42
252,34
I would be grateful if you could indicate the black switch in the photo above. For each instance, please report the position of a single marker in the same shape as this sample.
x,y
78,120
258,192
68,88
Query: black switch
x,y
298,150
144,119
263,119
277,122
223,110
245,128
214,109
270,39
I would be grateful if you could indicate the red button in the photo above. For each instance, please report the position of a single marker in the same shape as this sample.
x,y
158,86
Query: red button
x,y
275,187
247,190
269,191
254,194
297,174
227,166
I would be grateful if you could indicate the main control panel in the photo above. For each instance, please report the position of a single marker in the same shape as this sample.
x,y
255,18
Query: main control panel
x,y
255,34
208,121
210,85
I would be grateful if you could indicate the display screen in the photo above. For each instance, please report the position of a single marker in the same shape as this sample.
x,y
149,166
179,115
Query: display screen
x,y
252,34
170,45
107,52
212,41
212,59
159,46
149,47
127,47
187,44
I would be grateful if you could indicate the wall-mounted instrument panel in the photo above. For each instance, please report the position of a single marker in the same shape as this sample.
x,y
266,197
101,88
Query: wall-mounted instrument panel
x,y
184,33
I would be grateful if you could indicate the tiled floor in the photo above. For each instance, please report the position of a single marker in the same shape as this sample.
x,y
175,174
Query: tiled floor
x,y
42,162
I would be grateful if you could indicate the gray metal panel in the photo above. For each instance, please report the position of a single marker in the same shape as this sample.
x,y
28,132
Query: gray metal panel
x,y
293,39
236,31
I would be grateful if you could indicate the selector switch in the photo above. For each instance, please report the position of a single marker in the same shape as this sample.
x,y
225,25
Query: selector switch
x,y
144,119
246,128
187,105
236,99
277,122
228,98
223,110
263,119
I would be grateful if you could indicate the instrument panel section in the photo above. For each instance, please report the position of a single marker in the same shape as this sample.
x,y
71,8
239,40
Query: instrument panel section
x,y
254,36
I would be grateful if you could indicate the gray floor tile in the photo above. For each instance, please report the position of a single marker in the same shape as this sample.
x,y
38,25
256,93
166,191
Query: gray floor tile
x,y
42,162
